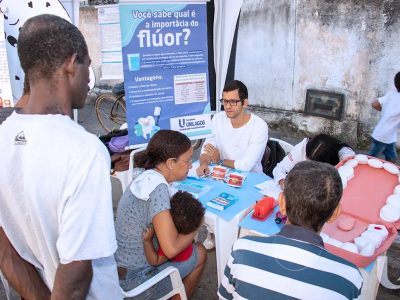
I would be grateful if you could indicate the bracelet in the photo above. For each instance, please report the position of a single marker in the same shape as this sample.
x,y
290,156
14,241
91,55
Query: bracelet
x,y
220,162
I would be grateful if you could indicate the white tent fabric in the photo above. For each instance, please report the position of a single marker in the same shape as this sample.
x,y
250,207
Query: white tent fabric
x,y
225,18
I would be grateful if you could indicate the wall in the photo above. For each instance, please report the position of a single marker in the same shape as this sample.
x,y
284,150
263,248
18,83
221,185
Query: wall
x,y
286,47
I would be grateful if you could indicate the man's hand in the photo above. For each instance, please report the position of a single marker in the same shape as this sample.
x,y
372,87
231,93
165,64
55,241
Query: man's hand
x,y
213,152
203,170
148,234
21,275
205,160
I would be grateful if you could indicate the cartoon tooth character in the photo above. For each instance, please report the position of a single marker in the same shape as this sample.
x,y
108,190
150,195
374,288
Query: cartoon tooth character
x,y
146,125
15,13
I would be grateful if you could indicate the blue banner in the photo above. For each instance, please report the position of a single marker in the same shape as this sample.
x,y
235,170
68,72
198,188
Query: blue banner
x,y
165,60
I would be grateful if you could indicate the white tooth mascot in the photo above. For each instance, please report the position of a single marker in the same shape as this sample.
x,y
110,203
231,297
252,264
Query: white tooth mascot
x,y
15,13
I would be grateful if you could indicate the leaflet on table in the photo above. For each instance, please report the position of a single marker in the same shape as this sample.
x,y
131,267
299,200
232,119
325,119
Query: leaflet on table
x,y
192,186
269,188
222,201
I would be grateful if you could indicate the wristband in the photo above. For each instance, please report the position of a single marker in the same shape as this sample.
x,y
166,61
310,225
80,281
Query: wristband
x,y
220,162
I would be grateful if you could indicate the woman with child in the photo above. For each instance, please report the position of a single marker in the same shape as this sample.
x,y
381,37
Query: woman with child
x,y
146,201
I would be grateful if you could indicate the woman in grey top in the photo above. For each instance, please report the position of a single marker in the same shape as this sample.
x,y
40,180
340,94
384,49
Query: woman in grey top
x,y
146,201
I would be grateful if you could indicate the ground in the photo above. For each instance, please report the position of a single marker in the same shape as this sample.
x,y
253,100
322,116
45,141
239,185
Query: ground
x,y
208,285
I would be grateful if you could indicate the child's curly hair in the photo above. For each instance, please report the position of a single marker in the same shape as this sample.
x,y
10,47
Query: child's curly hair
x,y
187,212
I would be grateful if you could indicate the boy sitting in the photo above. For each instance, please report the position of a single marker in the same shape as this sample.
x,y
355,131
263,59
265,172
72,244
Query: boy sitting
x,y
187,214
294,263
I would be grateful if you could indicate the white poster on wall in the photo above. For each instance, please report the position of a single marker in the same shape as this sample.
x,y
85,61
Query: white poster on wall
x,y
110,42
5,85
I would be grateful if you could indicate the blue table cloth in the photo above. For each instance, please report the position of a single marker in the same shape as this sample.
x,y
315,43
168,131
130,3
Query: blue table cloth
x,y
247,195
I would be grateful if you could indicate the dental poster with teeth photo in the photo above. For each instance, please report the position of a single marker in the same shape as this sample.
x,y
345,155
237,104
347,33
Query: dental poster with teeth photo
x,y
165,65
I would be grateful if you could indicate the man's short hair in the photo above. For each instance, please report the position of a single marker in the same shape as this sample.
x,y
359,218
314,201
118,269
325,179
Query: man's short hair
x,y
237,85
397,81
187,212
312,192
45,42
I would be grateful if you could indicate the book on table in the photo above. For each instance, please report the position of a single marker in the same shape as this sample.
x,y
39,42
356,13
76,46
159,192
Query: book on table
x,y
222,201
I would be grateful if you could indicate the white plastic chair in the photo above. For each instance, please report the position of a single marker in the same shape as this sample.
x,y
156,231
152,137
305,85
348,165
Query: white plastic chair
x,y
177,285
285,145
125,177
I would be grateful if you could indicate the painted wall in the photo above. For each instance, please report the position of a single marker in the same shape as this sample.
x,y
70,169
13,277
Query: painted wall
x,y
349,46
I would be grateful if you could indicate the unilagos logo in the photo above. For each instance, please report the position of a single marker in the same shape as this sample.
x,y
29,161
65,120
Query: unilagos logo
x,y
190,123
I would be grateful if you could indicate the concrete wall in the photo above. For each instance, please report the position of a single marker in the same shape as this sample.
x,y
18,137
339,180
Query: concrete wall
x,y
286,47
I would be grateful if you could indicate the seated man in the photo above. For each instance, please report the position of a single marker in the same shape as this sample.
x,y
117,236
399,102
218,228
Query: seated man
x,y
239,137
293,263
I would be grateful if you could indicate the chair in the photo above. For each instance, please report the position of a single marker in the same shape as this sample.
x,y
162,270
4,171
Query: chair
x,y
177,285
275,151
125,177
285,145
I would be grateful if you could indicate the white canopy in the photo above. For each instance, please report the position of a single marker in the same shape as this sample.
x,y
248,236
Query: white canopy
x,y
225,18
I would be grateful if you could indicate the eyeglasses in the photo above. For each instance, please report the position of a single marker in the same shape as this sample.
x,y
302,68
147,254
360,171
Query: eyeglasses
x,y
189,161
230,102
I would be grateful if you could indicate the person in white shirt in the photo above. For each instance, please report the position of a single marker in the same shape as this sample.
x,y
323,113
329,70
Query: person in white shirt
x,y
321,148
57,235
239,137
384,136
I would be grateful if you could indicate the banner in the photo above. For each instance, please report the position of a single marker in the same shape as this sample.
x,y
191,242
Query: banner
x,y
164,53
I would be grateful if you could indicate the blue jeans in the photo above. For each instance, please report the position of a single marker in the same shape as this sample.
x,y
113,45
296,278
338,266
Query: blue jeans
x,y
388,150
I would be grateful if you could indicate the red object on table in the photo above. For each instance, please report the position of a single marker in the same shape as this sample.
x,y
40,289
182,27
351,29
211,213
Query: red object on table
x,y
263,208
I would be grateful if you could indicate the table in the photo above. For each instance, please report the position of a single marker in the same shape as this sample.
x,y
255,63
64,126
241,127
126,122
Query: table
x,y
249,226
225,224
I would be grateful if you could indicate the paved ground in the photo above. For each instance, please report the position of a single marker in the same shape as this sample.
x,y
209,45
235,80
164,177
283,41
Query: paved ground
x,y
208,285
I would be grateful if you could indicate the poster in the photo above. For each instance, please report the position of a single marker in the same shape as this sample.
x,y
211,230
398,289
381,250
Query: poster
x,y
164,53
110,42
5,85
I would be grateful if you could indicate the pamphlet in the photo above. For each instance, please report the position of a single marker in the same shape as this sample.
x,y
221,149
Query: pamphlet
x,y
222,201
269,188
193,186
